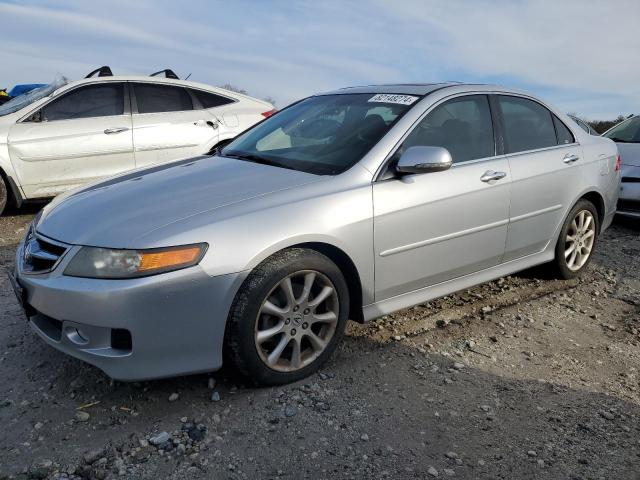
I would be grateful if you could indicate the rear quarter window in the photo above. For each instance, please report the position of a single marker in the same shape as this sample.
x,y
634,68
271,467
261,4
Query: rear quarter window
x,y
565,137
210,100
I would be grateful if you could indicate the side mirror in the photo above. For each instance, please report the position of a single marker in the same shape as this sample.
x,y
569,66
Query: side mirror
x,y
424,160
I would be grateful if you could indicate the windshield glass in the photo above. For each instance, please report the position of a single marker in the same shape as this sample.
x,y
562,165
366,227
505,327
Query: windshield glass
x,y
324,135
626,132
28,98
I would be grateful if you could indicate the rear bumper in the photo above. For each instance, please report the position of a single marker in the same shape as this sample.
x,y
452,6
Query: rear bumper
x,y
629,199
159,326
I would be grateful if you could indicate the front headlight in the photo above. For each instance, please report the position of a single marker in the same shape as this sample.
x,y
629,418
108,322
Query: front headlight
x,y
93,262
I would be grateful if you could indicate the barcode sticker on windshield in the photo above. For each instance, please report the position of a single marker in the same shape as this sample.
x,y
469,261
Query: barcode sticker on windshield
x,y
392,98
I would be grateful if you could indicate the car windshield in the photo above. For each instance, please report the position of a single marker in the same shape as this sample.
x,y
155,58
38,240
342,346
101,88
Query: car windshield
x,y
21,101
625,132
323,135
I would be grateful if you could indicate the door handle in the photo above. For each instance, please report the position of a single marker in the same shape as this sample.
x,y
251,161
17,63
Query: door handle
x,y
209,123
490,175
570,158
110,131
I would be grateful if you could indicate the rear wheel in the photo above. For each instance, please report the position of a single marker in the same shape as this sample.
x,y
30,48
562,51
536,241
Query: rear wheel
x,y
288,317
577,240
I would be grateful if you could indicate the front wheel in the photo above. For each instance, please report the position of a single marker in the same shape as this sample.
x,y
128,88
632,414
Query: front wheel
x,y
4,197
577,240
288,317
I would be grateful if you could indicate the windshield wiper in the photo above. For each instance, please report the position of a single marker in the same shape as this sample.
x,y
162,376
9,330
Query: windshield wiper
x,y
253,158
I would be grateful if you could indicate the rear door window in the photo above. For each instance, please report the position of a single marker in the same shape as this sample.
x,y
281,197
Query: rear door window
x,y
528,125
161,98
462,125
103,100
210,100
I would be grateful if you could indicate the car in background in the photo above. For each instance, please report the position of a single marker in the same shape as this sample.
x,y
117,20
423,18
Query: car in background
x,y
63,135
350,204
626,134
23,88
583,125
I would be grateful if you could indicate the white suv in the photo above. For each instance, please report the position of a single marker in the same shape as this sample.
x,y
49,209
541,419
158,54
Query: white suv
x,y
67,134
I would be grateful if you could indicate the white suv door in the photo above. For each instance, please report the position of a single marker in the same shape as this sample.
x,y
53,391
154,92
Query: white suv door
x,y
81,136
169,123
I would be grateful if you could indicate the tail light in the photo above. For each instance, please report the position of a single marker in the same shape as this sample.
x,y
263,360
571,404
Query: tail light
x,y
269,113
618,163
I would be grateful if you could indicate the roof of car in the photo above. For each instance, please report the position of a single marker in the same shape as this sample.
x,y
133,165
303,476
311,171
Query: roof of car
x,y
420,89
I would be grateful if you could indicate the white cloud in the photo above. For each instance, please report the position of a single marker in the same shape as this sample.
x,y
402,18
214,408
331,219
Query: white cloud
x,y
579,54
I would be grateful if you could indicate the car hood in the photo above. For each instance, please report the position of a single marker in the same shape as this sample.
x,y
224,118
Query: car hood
x,y
115,213
629,153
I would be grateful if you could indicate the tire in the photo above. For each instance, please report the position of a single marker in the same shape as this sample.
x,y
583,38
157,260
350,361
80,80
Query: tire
x,y
264,317
562,267
4,196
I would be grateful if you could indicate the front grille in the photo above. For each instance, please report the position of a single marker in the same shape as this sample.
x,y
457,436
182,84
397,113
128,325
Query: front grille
x,y
39,254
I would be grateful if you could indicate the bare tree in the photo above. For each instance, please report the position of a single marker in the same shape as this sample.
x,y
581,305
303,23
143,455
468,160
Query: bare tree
x,y
233,88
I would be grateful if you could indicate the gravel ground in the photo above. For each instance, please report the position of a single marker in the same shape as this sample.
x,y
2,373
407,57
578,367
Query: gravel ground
x,y
524,377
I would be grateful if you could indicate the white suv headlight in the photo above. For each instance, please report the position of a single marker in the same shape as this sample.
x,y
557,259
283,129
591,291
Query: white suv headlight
x,y
93,262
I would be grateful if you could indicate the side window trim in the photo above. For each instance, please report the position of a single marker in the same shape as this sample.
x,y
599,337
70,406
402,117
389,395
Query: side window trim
x,y
383,170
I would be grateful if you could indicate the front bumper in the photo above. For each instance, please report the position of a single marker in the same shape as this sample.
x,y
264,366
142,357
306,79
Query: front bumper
x,y
629,199
159,326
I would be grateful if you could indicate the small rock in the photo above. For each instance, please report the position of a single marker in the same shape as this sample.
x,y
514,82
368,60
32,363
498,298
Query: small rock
x,y
290,411
606,415
212,383
215,397
451,455
173,397
532,453
364,437
82,416
441,323
432,471
449,472
159,439
92,456
184,419
38,425
458,366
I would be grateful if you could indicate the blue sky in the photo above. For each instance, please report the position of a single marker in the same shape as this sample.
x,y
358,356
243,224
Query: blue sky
x,y
580,55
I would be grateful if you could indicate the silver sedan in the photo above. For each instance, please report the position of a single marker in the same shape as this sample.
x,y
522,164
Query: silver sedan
x,y
627,136
346,205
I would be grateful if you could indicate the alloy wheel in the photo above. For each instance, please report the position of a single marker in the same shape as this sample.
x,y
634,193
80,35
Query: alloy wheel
x,y
580,238
297,321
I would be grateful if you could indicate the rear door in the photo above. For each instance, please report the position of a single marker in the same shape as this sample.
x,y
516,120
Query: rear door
x,y
545,163
169,123
434,227
81,136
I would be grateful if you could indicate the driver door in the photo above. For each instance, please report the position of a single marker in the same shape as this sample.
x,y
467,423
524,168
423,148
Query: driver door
x,y
433,227
80,137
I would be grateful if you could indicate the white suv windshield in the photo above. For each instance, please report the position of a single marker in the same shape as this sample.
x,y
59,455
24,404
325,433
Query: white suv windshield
x,y
323,135
21,101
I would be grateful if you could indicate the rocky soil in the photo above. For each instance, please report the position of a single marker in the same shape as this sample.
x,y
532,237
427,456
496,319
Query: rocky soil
x,y
524,377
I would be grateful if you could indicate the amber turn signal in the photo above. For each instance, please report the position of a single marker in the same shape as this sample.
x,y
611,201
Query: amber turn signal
x,y
169,258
